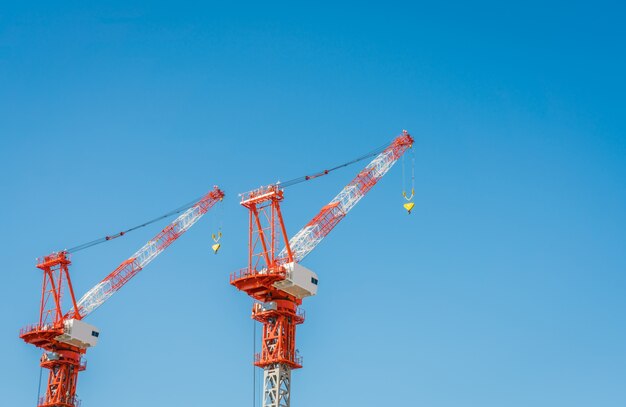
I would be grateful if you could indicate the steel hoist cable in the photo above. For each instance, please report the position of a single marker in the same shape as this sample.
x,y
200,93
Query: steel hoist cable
x,y
285,184
304,178
122,233
39,387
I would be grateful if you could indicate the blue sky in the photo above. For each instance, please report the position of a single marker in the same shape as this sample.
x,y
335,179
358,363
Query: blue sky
x,y
504,287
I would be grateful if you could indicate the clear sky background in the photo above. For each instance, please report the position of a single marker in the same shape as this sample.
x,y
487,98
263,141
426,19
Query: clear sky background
x,y
505,287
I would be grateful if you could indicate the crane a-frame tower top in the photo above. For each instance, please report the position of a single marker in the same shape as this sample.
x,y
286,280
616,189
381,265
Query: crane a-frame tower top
x,y
276,280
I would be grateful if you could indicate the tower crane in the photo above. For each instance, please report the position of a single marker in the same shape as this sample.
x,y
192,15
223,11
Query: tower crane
x,y
63,336
278,282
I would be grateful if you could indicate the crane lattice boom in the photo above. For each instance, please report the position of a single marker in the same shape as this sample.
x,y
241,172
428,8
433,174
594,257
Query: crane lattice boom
x,y
314,232
129,268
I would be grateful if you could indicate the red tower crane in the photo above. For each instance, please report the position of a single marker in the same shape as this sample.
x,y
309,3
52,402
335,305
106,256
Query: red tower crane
x,y
64,336
276,280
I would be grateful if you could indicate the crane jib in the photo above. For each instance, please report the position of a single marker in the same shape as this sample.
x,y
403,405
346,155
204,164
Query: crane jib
x,y
303,242
138,261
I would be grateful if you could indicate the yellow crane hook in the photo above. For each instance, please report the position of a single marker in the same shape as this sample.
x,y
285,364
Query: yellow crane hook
x,y
216,239
409,205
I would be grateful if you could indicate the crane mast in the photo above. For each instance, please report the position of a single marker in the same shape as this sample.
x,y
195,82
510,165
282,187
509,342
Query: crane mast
x,y
276,280
64,337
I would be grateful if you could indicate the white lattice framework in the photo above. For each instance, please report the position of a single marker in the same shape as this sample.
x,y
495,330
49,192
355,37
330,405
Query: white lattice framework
x,y
276,386
314,232
129,268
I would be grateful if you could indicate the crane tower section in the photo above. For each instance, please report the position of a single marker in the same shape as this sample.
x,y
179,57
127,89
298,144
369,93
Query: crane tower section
x,y
278,285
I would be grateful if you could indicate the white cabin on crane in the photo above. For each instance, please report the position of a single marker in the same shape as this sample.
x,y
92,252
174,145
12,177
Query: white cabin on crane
x,y
79,334
299,281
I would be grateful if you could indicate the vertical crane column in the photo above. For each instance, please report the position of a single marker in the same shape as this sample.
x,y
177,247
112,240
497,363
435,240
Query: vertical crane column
x,y
276,309
64,365
278,355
